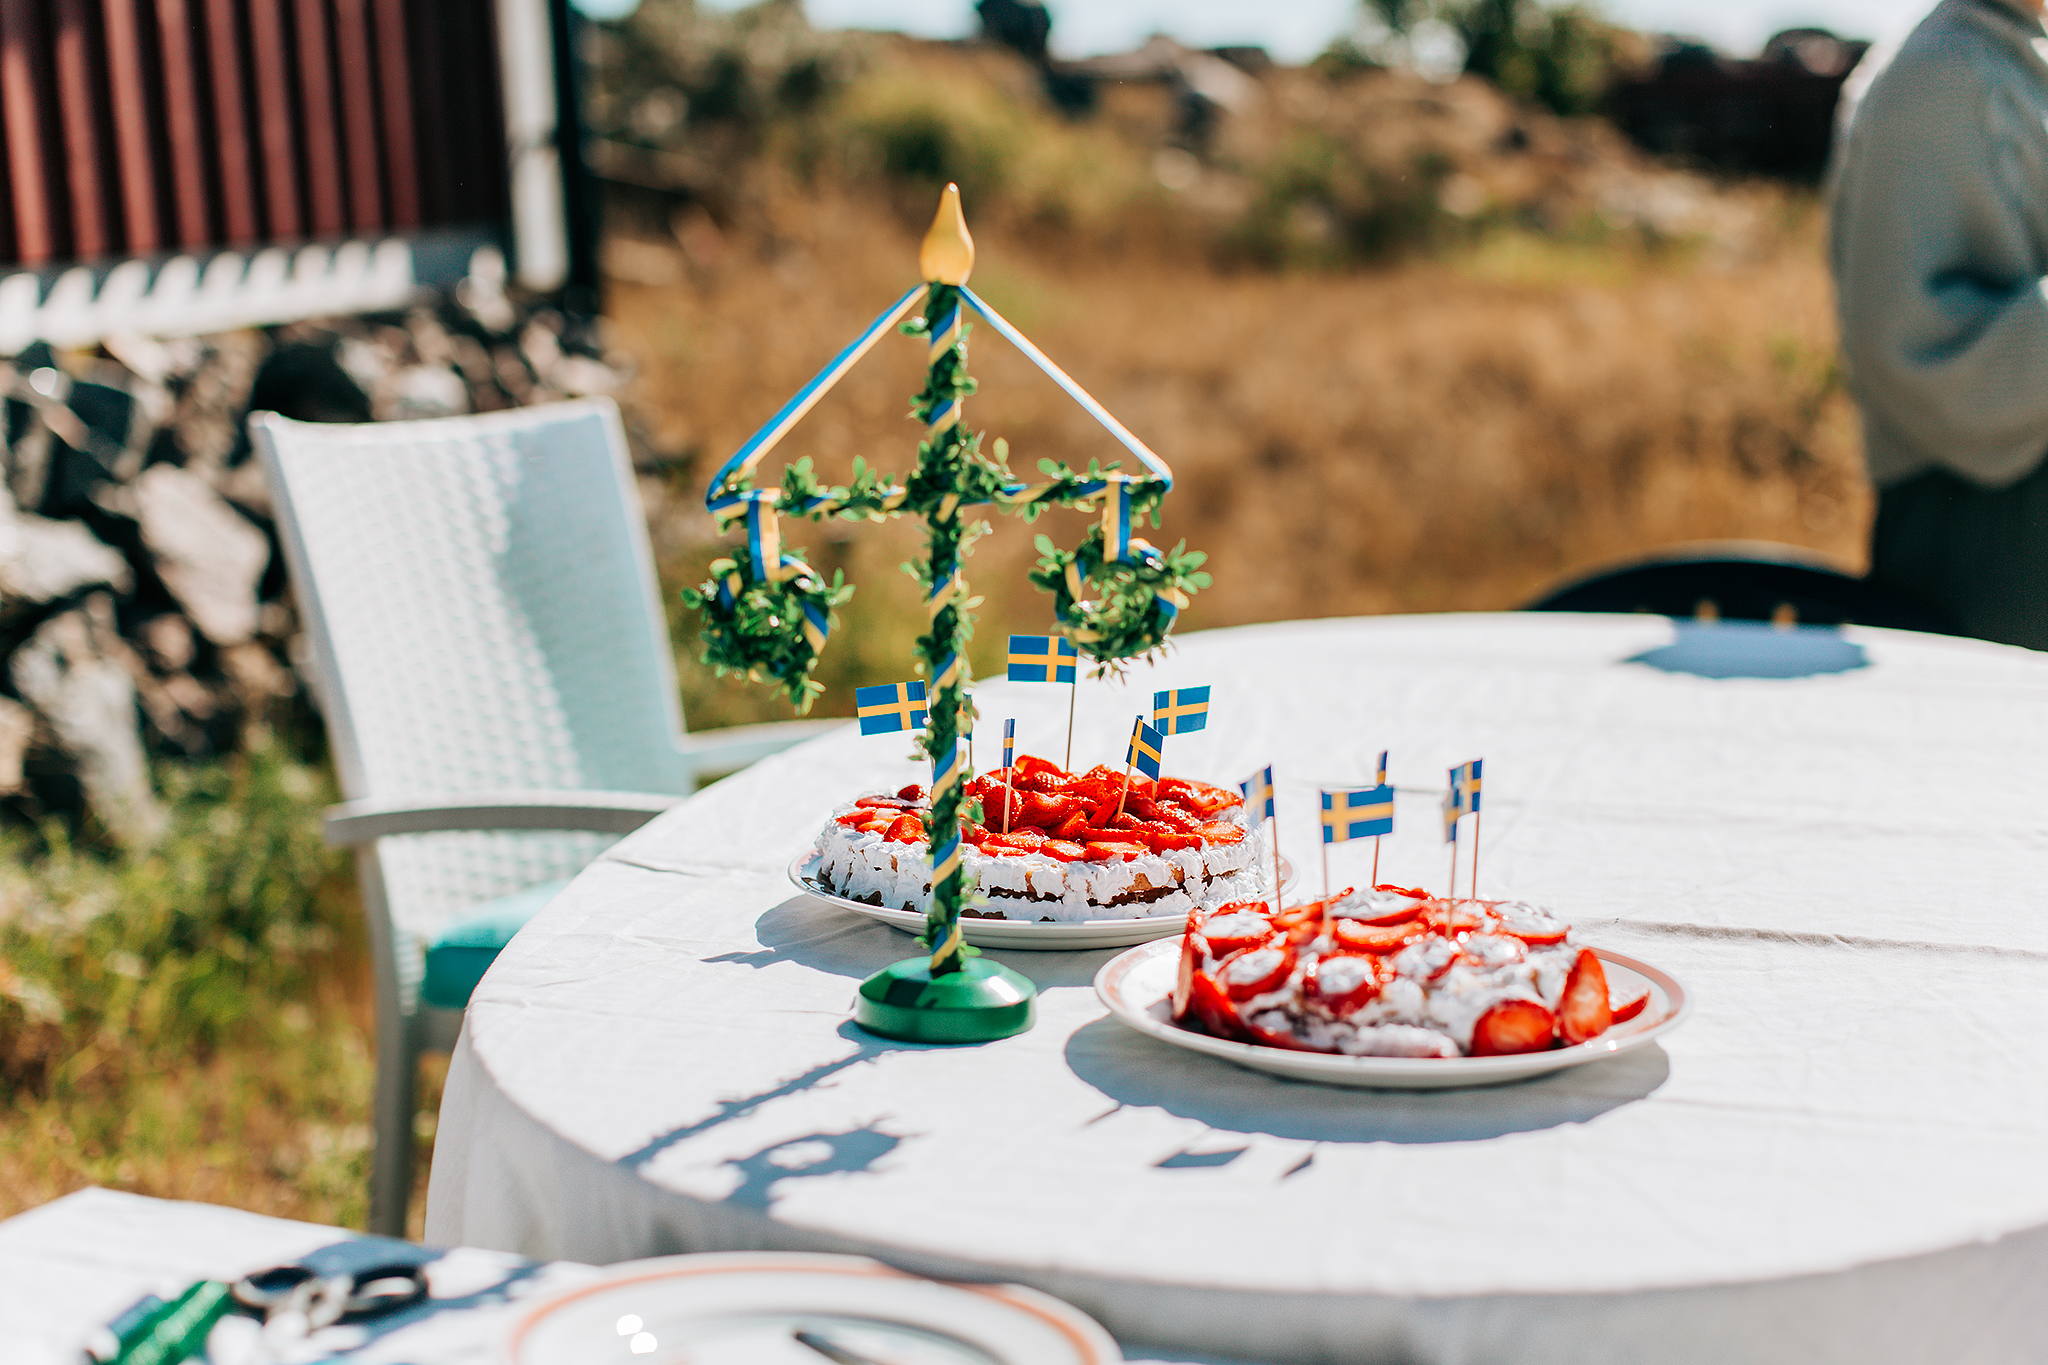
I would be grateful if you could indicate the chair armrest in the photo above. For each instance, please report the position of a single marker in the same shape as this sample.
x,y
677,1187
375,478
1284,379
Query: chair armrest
x,y
359,822
735,746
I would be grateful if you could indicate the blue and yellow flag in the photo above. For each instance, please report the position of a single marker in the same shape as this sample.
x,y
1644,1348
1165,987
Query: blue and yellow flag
x,y
1042,658
1146,743
1465,787
1362,813
890,707
1451,814
1379,778
1258,793
1181,711
1009,744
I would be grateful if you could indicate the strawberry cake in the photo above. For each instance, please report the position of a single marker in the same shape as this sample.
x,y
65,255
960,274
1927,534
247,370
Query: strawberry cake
x,y
1071,847
1391,972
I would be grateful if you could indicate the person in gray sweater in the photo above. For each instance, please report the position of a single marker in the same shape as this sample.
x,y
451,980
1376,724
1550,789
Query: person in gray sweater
x,y
1939,246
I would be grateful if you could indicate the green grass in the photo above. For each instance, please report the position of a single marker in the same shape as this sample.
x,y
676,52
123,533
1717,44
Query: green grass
x,y
190,1021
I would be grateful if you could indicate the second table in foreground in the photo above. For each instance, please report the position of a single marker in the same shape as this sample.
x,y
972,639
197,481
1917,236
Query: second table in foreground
x,y
1841,1154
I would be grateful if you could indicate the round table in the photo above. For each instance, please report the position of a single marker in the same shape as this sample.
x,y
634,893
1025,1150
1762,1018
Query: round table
x,y
1834,840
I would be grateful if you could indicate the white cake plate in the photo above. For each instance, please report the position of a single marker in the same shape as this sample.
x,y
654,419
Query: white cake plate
x,y
1039,935
1138,987
762,1308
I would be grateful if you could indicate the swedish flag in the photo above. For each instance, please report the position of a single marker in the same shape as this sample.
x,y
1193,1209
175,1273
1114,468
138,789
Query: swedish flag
x,y
1465,787
1451,814
1380,778
1042,658
1181,711
890,707
1258,793
1364,813
1146,743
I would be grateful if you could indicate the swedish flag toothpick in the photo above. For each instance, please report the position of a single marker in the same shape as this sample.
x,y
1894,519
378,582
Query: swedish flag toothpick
x,y
1462,798
1048,658
1357,813
1143,755
1258,804
1181,711
890,707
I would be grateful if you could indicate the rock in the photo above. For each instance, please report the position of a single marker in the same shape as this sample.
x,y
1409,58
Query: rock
x,y
17,728
422,391
45,561
87,700
209,557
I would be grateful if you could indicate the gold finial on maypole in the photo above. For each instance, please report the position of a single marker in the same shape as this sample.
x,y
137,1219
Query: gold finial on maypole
x,y
947,255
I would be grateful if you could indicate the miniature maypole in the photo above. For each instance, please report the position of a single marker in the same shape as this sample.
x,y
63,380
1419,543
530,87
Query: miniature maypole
x,y
768,614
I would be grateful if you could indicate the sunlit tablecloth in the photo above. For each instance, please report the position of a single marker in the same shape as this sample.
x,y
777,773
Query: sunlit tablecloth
x,y
1839,843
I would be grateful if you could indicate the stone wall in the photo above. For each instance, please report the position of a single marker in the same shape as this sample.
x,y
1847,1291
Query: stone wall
x,y
144,609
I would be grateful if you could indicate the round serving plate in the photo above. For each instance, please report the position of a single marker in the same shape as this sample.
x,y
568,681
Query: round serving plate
x,y
749,1308
1039,935
1137,986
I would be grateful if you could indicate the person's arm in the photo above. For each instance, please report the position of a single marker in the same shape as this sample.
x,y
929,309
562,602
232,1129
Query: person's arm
x,y
1937,236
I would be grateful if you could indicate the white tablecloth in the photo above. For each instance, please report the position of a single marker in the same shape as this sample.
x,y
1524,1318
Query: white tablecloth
x,y
1842,1156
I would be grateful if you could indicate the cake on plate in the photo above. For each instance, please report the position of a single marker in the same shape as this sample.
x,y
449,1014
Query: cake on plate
x,y
1069,846
1394,972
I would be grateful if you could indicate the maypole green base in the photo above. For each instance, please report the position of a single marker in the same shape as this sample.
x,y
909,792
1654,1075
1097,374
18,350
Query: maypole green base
x,y
980,1003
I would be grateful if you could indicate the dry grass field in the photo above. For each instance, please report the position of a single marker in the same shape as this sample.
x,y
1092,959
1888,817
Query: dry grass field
x,y
1450,433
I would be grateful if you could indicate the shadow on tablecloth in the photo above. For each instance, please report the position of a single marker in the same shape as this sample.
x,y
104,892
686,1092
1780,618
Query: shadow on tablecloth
x,y
1132,1069
1752,649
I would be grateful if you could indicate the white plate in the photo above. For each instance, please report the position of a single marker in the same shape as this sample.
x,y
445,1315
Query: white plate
x,y
746,1308
1138,986
1041,935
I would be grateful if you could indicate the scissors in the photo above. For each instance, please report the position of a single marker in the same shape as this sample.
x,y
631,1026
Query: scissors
x,y
296,1301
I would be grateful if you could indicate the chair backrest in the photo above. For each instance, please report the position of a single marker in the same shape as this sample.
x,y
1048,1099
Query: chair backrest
x,y
480,602
1740,581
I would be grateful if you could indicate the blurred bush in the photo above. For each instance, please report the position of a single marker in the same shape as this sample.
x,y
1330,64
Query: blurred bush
x,y
130,960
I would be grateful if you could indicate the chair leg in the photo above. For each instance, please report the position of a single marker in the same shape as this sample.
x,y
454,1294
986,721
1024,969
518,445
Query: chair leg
x,y
398,1057
398,1065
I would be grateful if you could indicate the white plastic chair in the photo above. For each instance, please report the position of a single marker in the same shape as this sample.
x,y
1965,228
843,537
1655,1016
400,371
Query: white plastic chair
x,y
489,652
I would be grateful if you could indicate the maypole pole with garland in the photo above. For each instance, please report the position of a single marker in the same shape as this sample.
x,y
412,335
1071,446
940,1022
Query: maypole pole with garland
x,y
767,613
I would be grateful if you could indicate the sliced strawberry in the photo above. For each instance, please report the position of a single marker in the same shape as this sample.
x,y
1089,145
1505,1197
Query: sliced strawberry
x,y
1359,937
1254,971
1456,917
1027,840
1104,850
875,826
1343,982
1027,764
1163,839
1170,814
1399,915
852,817
1223,832
1199,797
1240,925
1075,826
1514,1026
1269,1038
1125,821
906,829
1194,951
1140,805
1584,1012
1042,782
883,802
1066,850
1211,1010
1629,1009
1048,812
913,792
1414,892
973,833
